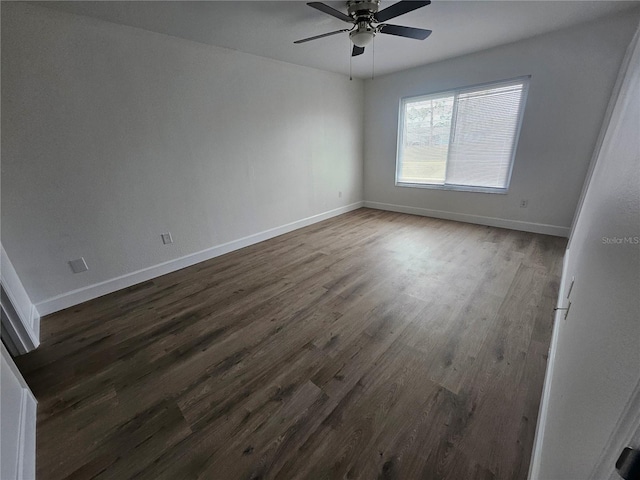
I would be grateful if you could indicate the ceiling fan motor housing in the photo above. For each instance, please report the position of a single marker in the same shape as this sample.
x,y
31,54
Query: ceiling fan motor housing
x,y
362,9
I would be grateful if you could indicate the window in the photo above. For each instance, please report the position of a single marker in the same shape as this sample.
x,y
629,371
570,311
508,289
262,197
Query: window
x,y
463,139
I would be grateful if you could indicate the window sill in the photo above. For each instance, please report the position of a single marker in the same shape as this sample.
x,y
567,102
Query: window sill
x,y
455,188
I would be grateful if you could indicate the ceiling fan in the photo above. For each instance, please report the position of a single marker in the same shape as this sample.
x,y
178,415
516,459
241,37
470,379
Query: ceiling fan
x,y
364,16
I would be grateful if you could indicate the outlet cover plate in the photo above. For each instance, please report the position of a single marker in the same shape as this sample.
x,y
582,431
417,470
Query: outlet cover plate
x,y
78,265
166,238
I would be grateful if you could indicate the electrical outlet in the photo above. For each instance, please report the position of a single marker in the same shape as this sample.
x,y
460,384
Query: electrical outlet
x,y
524,203
339,194
78,265
166,238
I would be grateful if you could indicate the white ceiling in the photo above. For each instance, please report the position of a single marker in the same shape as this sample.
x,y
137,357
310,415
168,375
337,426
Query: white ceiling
x,y
268,28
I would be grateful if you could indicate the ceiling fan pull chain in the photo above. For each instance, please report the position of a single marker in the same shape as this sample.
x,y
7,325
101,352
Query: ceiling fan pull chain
x,y
350,60
373,56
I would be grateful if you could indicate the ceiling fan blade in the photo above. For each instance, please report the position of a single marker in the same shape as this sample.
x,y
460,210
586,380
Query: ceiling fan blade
x,y
357,51
408,32
330,11
398,9
321,36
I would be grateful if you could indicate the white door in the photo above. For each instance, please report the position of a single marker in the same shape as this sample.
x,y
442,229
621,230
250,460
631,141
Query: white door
x,y
17,423
626,434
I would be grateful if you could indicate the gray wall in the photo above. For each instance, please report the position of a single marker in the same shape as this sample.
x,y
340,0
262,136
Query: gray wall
x,y
573,72
597,360
112,135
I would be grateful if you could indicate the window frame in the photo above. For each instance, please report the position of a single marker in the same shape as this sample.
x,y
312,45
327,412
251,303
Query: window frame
x,y
455,92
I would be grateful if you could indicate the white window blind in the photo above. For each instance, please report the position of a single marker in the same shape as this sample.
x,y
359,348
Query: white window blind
x,y
463,139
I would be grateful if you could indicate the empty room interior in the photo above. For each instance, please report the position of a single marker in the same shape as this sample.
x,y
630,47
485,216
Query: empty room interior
x,y
345,240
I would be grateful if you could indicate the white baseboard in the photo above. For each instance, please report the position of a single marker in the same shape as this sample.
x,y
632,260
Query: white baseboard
x,y
35,322
90,292
477,219
536,459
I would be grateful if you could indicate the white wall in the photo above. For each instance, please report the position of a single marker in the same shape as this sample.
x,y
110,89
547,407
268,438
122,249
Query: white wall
x,y
573,72
112,135
597,362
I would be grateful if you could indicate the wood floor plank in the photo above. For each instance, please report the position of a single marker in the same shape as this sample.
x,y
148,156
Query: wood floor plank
x,y
371,345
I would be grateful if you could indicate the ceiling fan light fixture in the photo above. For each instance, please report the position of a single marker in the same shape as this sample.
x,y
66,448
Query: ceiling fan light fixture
x,y
361,39
363,35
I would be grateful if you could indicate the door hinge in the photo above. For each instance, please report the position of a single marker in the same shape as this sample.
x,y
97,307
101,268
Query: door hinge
x,y
628,464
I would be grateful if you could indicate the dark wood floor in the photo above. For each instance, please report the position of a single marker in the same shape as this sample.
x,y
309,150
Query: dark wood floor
x,y
372,345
